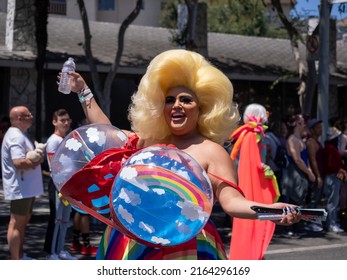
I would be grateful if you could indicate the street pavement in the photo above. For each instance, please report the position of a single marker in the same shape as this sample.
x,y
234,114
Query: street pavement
x,y
311,246
36,230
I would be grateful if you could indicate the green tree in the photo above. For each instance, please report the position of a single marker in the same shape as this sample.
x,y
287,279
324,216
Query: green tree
x,y
242,17
168,15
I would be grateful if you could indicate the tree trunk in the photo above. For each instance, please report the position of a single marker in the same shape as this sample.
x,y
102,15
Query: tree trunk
x,y
89,54
113,71
104,95
294,37
41,16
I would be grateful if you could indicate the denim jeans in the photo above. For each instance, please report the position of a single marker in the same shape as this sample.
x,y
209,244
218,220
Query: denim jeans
x,y
62,219
315,195
332,194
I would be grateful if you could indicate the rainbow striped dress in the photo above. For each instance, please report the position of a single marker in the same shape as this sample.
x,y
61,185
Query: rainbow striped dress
x,y
207,245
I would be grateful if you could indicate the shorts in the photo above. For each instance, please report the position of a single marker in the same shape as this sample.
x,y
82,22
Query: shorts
x,y
22,206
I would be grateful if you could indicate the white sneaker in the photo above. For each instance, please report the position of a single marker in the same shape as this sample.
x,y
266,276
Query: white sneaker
x,y
313,227
335,229
65,255
53,257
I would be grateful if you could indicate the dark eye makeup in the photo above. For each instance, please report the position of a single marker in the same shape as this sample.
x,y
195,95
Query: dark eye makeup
x,y
182,99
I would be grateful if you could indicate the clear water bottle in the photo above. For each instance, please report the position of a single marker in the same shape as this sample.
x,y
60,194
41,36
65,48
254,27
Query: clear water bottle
x,y
64,83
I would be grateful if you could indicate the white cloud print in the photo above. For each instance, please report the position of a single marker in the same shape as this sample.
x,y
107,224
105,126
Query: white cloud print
x,y
125,214
92,134
146,227
73,144
129,174
102,139
99,137
183,174
155,148
141,156
130,197
159,191
183,228
191,211
66,163
159,240
63,169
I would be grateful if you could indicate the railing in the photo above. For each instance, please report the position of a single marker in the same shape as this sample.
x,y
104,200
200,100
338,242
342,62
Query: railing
x,y
57,8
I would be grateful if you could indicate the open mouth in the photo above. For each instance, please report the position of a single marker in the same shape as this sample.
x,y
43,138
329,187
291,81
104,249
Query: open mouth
x,y
177,116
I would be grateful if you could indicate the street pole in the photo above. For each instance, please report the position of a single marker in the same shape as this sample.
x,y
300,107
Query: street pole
x,y
323,74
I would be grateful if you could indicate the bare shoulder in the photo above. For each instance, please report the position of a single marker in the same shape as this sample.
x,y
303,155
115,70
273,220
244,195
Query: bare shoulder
x,y
219,164
210,155
295,143
213,150
311,143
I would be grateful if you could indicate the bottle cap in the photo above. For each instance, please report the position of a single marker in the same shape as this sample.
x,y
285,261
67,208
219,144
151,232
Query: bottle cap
x,y
69,65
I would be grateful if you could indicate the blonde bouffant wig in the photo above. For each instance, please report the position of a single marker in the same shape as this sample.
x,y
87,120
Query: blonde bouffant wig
x,y
218,115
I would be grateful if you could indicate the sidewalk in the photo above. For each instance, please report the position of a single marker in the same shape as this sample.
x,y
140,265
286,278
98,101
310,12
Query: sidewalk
x,y
36,230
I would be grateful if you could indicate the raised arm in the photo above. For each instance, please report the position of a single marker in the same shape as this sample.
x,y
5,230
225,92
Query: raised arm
x,y
91,109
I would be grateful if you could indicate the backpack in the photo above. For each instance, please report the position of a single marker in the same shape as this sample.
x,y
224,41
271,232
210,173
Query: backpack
x,y
281,159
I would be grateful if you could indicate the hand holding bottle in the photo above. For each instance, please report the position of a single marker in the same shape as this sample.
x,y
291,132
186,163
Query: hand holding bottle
x,y
77,82
65,78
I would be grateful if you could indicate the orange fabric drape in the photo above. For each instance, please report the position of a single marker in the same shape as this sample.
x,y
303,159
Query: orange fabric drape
x,y
250,238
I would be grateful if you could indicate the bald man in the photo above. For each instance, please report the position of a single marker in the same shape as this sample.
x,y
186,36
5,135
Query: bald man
x,y
21,178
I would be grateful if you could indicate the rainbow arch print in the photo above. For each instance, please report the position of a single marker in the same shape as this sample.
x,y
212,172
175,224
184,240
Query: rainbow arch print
x,y
161,199
158,177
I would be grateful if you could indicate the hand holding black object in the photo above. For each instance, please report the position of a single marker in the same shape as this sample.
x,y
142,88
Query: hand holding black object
x,y
273,214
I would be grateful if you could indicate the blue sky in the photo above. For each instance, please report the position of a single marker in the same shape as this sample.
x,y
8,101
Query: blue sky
x,y
310,8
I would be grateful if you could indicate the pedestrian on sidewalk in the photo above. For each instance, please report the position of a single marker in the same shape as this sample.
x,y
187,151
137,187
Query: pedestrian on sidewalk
x,y
316,161
4,126
298,176
335,174
59,210
342,126
21,178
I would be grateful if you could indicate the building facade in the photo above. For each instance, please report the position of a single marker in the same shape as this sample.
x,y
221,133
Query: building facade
x,y
262,70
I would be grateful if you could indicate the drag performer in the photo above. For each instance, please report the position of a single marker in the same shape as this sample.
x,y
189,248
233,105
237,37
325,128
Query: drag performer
x,y
182,100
